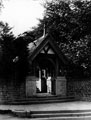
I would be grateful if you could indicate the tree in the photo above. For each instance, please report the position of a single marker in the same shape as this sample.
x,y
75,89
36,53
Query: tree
x,y
7,51
14,54
21,57
69,23
1,4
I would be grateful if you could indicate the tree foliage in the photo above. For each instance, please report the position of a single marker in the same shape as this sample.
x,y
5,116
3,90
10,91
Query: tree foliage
x,y
7,50
21,57
69,22
13,54
1,4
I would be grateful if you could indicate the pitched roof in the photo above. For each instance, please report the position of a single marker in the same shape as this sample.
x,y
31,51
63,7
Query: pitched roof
x,y
36,47
33,45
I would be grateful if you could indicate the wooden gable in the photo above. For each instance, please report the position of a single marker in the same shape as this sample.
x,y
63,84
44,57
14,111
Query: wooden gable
x,y
46,45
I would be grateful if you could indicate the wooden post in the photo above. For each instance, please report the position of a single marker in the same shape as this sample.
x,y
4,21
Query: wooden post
x,y
57,67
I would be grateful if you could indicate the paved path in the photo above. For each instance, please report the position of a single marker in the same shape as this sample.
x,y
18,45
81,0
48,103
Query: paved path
x,y
70,118
79,105
50,107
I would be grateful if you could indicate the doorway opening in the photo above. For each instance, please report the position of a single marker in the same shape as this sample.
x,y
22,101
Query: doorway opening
x,y
46,77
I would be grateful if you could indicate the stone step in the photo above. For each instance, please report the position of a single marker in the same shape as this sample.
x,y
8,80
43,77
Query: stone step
x,y
60,111
52,114
60,115
42,100
64,118
48,115
48,98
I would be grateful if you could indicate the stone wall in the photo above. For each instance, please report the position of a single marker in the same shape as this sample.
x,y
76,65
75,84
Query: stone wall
x,y
80,89
31,86
11,91
61,86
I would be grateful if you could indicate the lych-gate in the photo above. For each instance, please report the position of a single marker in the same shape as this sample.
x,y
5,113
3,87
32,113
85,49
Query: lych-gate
x,y
47,68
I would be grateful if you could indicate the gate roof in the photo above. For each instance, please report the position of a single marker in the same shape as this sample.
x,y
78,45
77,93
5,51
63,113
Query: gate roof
x,y
36,46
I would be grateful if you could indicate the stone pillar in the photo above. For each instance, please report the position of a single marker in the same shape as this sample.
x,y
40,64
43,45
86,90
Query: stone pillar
x,y
61,86
31,86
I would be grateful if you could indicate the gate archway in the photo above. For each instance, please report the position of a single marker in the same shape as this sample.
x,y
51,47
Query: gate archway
x,y
47,64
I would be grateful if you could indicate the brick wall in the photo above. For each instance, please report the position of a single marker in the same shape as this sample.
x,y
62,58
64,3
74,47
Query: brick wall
x,y
80,89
